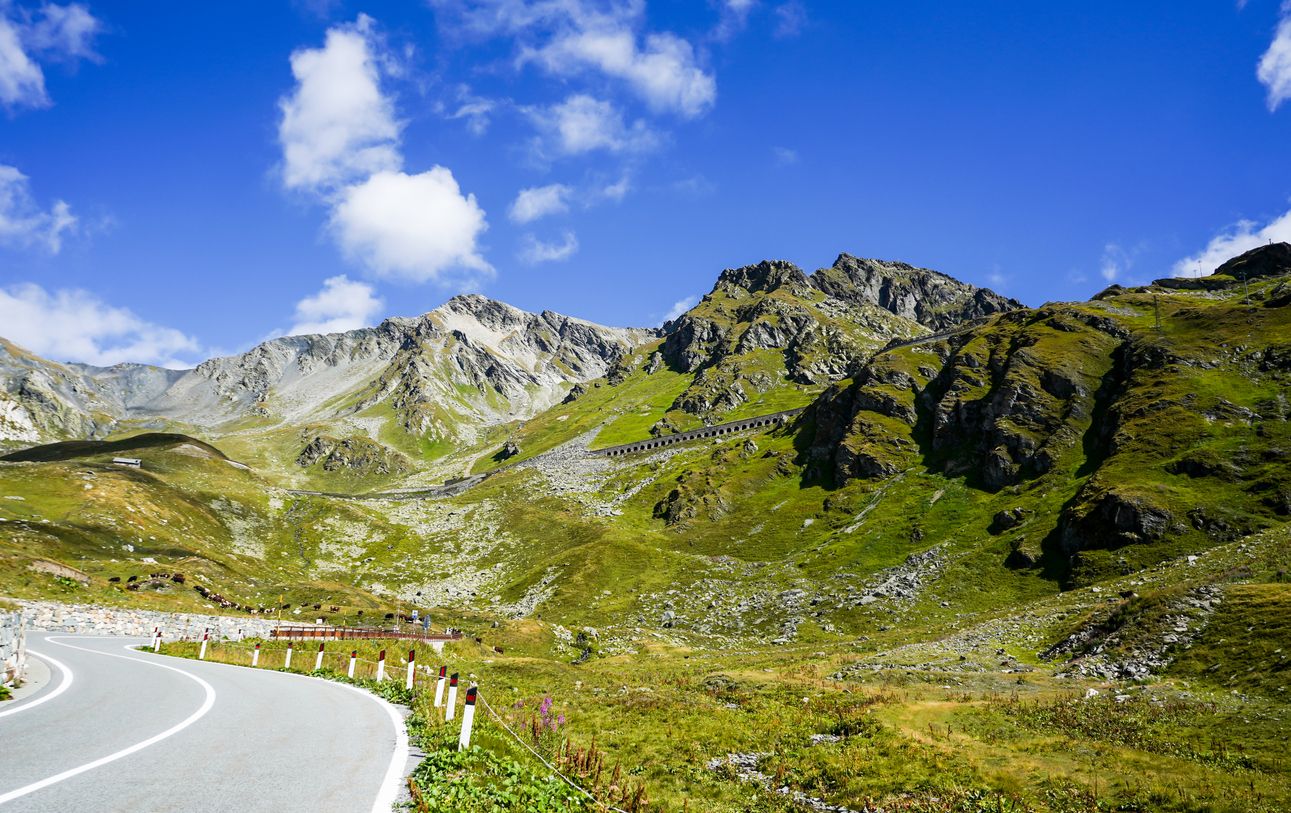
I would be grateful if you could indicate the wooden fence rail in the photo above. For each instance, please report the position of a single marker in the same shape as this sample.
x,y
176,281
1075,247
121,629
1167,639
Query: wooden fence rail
x,y
343,633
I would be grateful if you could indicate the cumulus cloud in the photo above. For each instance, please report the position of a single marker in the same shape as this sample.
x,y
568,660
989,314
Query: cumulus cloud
x,y
75,325
53,33
539,201
1237,239
22,83
337,126
23,223
663,72
583,124
679,307
65,32
566,37
343,304
410,227
534,251
1274,70
340,140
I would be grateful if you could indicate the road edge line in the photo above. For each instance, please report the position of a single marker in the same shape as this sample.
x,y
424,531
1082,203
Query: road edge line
x,y
40,784
62,686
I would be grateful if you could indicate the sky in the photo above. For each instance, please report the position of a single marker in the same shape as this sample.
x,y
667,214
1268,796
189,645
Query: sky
x,y
183,180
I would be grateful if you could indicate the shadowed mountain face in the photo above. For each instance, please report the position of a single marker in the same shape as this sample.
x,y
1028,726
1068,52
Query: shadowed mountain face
x,y
1157,437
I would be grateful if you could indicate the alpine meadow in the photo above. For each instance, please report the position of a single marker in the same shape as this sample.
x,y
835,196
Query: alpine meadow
x,y
870,537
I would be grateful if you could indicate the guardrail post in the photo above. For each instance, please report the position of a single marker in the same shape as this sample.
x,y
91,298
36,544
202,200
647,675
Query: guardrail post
x,y
255,656
287,662
439,687
156,642
156,633
201,654
381,666
354,656
451,711
412,665
318,662
468,718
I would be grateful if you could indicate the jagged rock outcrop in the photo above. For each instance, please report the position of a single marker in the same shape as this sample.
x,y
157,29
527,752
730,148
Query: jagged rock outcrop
x,y
930,298
356,455
1133,425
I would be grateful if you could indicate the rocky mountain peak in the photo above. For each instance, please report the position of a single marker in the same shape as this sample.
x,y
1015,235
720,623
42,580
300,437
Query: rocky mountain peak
x,y
931,298
1273,260
766,276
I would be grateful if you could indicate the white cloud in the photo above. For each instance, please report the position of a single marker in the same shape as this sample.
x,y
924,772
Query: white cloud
x,y
65,32
476,114
1274,70
75,325
785,156
582,124
22,83
54,33
22,222
734,16
618,190
1238,239
663,73
679,307
536,251
340,140
337,126
343,304
539,201
410,227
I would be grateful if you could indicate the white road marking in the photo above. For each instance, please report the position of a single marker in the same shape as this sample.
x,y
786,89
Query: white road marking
x,y
125,752
394,774
393,780
44,698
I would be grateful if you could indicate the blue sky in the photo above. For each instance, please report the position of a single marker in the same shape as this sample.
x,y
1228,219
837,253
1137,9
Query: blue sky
x,y
181,180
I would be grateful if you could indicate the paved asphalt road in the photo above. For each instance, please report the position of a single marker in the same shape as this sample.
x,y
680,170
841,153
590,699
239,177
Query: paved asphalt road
x,y
117,730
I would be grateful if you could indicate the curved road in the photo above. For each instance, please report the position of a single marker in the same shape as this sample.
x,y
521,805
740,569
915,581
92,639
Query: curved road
x,y
118,730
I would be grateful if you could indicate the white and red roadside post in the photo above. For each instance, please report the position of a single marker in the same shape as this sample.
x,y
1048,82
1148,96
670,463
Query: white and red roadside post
x,y
439,687
451,710
156,642
354,656
381,666
412,665
468,718
156,631
201,654
287,662
255,656
318,662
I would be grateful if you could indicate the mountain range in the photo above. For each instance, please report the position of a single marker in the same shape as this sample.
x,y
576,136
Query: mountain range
x,y
971,454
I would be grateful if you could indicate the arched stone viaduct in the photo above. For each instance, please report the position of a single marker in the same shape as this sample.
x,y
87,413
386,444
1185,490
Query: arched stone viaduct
x,y
718,430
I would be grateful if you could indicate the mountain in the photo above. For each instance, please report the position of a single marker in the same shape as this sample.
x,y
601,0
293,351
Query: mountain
x,y
470,363
976,453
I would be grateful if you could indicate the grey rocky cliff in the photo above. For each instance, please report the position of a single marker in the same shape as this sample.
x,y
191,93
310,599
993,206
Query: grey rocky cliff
x,y
928,297
471,362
